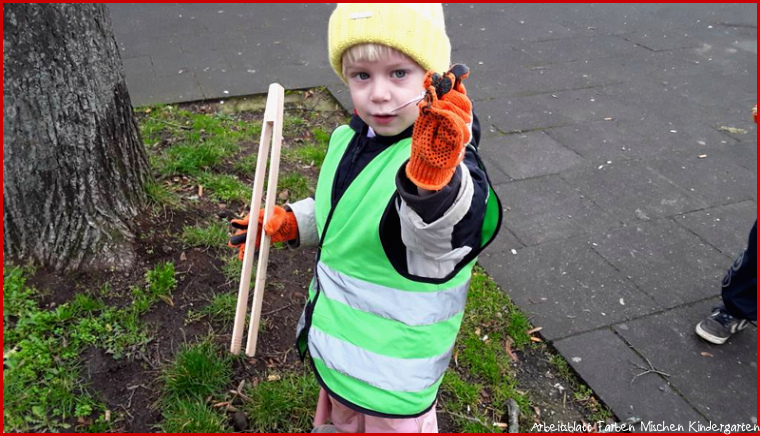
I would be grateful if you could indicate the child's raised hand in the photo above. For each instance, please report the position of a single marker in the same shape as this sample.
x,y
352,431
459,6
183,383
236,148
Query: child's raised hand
x,y
442,130
281,227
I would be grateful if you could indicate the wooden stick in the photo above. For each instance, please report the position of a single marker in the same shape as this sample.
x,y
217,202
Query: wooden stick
x,y
272,116
271,132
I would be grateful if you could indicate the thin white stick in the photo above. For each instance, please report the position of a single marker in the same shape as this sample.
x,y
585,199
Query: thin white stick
x,y
416,99
273,117
253,215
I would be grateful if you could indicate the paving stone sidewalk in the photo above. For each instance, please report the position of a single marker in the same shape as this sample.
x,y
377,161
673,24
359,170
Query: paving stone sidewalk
x,y
621,143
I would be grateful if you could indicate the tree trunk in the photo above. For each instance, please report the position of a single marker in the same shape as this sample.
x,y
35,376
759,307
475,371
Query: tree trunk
x,y
74,167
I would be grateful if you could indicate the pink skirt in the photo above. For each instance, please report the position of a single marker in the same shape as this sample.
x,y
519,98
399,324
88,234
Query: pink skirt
x,y
350,421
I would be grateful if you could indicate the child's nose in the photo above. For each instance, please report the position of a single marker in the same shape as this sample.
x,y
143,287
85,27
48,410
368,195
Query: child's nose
x,y
380,92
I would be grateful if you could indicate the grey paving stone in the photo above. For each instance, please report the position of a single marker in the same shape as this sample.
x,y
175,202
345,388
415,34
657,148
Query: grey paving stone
x,y
207,62
664,260
152,90
715,383
663,39
606,363
568,289
491,21
629,191
138,67
340,92
530,154
725,227
243,83
502,246
600,142
587,105
519,114
133,47
715,179
546,209
580,49
225,39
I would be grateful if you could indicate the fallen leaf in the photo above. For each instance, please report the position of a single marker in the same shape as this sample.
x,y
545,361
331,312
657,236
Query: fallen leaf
x,y
733,130
477,331
706,354
273,377
167,299
200,190
456,358
535,339
534,330
183,257
508,349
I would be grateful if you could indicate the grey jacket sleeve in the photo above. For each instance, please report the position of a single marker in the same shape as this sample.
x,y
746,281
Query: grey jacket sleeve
x,y
430,246
307,225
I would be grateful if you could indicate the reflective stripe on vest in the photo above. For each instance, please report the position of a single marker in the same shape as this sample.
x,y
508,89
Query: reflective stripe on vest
x,y
410,308
400,375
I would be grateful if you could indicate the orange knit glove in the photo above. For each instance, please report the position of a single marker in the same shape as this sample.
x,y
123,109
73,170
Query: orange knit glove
x,y
442,130
281,227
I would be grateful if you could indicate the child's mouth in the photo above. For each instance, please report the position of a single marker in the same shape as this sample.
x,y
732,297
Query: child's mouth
x,y
383,119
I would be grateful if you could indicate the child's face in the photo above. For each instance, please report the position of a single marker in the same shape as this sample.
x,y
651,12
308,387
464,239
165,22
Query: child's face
x,y
377,88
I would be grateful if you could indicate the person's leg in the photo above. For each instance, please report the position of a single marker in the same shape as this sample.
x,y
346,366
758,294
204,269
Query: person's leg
x,y
427,423
739,292
740,283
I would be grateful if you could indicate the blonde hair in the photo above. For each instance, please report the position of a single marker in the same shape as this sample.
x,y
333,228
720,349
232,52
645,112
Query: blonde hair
x,y
370,52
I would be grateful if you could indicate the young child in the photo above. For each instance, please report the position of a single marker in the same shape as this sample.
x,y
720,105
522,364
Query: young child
x,y
402,208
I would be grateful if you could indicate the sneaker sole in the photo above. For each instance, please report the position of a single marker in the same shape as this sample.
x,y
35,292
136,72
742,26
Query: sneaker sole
x,y
709,337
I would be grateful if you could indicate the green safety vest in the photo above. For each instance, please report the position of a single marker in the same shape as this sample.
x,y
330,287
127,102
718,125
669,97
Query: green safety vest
x,y
378,340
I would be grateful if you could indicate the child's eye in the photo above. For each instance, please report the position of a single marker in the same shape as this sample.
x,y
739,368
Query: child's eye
x,y
360,76
399,74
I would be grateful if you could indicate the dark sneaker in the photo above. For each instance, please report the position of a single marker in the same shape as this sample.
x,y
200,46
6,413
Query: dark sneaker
x,y
719,326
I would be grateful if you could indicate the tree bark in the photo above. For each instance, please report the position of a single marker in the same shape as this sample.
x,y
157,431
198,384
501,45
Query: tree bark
x,y
74,167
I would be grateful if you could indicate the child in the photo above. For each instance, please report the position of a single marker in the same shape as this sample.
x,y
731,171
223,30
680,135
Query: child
x,y
402,208
739,292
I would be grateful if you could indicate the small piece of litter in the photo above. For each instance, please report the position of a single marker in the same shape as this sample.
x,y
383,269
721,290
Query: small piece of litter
x,y
514,251
702,156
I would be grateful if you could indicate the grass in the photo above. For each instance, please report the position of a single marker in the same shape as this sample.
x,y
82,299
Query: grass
x,y
296,184
198,372
213,235
221,309
225,187
490,320
232,268
160,196
284,405
43,388
193,416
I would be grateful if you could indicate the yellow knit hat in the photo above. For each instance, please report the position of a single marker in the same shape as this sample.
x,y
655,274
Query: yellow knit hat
x,y
415,29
